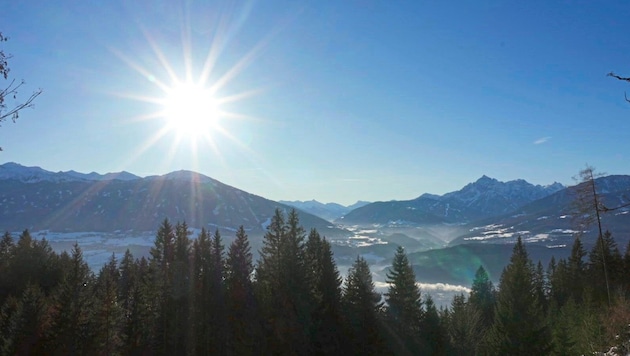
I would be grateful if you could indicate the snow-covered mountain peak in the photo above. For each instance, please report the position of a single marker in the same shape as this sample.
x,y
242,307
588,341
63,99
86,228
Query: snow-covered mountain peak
x,y
12,170
485,180
124,175
185,175
483,198
554,187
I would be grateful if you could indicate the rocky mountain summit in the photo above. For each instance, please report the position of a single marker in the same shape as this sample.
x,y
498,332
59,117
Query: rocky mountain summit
x,y
481,199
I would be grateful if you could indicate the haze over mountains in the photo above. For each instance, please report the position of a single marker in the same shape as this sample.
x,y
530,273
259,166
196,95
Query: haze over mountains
x,y
552,219
33,198
328,211
486,212
484,198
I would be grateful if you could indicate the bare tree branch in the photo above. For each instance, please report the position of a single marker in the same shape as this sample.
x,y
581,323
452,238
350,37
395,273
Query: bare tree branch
x,y
11,91
611,74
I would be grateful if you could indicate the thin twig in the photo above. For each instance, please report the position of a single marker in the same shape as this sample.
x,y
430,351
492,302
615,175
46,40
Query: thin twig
x,y
611,74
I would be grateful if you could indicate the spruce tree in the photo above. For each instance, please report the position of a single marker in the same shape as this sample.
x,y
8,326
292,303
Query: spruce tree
x,y
72,331
9,310
464,327
203,339
31,262
326,290
519,325
7,253
128,298
108,318
296,283
242,320
604,268
162,251
540,286
282,286
161,263
127,278
6,248
268,268
25,328
181,290
562,336
404,306
560,282
483,297
144,312
576,270
433,331
362,306
217,290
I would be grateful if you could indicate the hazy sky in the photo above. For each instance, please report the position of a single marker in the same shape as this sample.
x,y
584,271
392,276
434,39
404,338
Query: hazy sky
x,y
332,100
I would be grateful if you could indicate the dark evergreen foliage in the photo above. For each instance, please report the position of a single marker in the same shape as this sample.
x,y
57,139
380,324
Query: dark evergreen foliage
x,y
73,329
108,318
283,290
25,324
605,264
464,327
202,293
363,307
325,281
242,312
576,268
520,326
433,330
404,306
190,297
483,298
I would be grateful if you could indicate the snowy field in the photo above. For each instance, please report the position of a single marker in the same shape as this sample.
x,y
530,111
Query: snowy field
x,y
98,247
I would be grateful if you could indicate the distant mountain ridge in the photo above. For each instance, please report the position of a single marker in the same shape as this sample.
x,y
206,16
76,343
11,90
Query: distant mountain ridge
x,y
481,199
33,198
107,176
327,211
551,220
25,174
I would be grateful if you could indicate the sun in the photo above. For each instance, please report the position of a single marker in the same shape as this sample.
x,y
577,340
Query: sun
x,y
193,103
191,110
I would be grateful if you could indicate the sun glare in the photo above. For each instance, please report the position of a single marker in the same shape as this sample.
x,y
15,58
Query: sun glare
x,y
191,104
191,110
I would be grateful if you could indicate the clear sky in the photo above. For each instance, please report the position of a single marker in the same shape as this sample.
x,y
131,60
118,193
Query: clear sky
x,y
329,100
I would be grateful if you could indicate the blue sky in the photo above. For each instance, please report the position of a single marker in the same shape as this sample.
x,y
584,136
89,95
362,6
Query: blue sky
x,y
332,100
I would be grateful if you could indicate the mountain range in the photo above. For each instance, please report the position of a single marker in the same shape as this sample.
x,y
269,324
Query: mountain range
x,y
482,199
552,220
24,174
33,198
484,217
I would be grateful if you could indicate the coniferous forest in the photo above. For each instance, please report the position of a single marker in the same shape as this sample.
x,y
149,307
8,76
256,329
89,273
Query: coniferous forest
x,y
196,296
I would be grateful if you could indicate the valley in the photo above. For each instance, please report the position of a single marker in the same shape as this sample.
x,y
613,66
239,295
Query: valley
x,y
447,237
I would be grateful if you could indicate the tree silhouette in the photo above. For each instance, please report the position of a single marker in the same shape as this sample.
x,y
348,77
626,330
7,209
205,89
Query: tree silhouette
x,y
362,306
589,208
404,306
519,326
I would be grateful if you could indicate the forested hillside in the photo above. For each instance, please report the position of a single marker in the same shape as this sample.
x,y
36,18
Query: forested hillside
x,y
194,296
